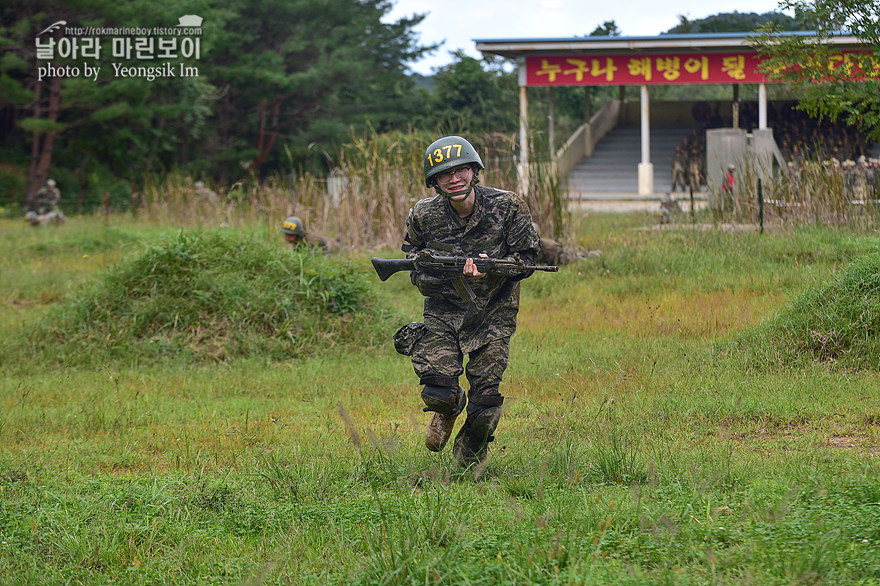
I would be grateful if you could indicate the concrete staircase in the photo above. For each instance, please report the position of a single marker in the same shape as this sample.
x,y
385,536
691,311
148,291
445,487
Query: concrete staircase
x,y
613,170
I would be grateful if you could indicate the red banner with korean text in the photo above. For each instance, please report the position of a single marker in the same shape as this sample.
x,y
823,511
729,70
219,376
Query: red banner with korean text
x,y
650,69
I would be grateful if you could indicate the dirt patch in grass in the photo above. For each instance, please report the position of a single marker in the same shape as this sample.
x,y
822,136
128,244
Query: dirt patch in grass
x,y
854,442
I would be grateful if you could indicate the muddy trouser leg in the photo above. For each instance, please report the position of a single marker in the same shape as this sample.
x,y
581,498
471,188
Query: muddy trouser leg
x,y
437,361
485,367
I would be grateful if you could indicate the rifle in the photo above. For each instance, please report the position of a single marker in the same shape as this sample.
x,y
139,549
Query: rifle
x,y
450,267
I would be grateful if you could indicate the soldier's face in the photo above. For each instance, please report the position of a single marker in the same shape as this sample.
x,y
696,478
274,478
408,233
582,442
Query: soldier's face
x,y
292,238
456,180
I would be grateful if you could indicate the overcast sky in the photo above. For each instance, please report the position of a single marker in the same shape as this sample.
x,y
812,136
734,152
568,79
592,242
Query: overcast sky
x,y
458,23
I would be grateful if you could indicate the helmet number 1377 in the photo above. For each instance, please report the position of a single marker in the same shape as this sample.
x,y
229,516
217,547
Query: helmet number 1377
x,y
437,155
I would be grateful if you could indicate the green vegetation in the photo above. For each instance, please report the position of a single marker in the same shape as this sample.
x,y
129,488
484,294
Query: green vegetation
x,y
632,450
281,87
838,323
303,71
803,62
736,22
209,295
185,400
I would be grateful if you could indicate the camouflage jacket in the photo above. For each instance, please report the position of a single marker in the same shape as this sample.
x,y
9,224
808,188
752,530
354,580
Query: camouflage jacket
x,y
500,226
319,243
46,200
323,243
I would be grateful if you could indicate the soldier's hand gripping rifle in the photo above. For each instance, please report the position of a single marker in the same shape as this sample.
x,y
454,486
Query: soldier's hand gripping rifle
x,y
450,267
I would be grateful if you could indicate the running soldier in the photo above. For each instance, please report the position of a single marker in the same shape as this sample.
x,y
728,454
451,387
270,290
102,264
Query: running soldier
x,y
468,220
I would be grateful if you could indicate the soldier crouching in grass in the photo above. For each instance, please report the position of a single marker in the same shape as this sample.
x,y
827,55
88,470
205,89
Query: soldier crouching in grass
x,y
554,253
465,220
44,209
295,234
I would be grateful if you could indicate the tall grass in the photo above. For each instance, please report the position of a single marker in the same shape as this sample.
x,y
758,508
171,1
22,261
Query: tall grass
x,y
813,193
364,200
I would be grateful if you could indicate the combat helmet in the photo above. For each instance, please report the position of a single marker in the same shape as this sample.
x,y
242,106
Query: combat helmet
x,y
293,225
447,153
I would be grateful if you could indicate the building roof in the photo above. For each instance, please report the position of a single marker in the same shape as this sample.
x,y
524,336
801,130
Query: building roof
x,y
717,42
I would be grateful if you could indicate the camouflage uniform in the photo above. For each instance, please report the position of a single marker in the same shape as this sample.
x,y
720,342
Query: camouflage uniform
x,y
44,208
695,171
499,226
323,243
678,174
318,243
46,200
296,235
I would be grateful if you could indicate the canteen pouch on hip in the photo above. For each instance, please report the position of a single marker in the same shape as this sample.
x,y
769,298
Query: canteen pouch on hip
x,y
406,337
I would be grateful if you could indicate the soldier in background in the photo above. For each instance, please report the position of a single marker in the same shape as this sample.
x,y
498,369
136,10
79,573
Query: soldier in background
x,y
695,170
728,183
678,174
206,193
554,253
872,176
295,234
44,208
669,209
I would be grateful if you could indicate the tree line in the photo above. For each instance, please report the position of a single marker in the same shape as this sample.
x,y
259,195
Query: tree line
x,y
275,85
267,73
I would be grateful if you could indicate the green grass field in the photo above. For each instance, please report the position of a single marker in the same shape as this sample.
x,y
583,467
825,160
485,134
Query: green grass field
x,y
691,407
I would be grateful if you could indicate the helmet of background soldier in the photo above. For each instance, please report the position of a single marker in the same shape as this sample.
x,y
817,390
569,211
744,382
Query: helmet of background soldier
x,y
293,225
50,182
448,153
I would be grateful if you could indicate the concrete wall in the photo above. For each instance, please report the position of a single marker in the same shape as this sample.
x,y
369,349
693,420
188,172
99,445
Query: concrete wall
x,y
767,156
753,153
724,146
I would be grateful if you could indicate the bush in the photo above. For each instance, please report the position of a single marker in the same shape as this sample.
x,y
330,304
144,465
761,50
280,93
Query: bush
x,y
212,296
838,323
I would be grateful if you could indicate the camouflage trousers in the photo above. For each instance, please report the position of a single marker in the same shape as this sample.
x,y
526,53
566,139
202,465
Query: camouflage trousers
x,y
437,360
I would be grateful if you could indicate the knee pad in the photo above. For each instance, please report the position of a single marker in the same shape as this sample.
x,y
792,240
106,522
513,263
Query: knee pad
x,y
447,401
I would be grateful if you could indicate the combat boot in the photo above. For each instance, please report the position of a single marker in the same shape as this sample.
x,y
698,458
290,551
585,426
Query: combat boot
x,y
446,403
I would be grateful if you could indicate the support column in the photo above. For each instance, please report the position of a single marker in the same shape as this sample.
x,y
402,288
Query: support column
x,y
762,106
522,167
734,111
587,104
551,115
646,168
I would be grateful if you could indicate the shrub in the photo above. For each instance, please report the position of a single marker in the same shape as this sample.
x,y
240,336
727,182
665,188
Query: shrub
x,y
212,296
837,323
